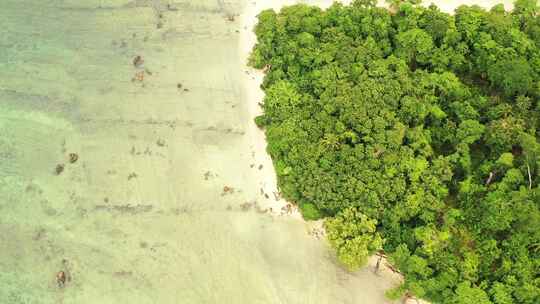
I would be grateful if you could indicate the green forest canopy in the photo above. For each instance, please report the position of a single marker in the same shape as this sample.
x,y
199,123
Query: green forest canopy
x,y
416,132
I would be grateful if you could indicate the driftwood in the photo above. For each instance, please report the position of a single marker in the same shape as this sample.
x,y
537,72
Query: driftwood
x,y
391,267
408,295
378,265
381,255
61,279
267,68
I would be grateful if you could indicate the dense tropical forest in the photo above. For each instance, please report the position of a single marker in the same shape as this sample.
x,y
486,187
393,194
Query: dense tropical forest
x,y
416,133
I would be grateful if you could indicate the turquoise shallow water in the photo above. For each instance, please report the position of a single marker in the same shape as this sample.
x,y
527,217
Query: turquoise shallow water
x,y
141,216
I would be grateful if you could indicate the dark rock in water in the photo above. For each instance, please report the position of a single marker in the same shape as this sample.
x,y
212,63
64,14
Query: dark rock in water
x,y
139,76
39,234
61,278
126,209
136,209
73,157
138,61
59,169
227,190
122,273
160,143
49,211
171,8
246,206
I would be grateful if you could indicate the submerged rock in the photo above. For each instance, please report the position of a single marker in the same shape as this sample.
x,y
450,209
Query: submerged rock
x,y
138,61
61,278
59,169
73,157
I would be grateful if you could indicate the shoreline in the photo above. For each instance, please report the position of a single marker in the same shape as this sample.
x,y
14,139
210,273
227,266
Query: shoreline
x,y
276,205
257,138
254,95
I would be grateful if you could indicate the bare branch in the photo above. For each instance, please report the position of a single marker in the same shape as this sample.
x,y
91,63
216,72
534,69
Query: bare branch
x,y
530,179
491,175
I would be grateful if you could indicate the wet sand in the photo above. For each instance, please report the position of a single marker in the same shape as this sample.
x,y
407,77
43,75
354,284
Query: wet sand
x,y
164,204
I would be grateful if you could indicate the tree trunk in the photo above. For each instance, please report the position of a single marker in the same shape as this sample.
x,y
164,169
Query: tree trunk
x,y
530,179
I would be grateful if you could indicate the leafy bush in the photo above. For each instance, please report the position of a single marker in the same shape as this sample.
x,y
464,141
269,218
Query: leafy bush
x,y
417,127
310,212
